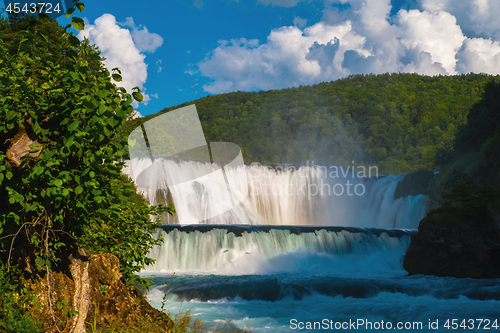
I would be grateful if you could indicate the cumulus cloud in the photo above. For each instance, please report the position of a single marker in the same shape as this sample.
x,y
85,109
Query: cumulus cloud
x,y
477,18
290,57
118,47
480,56
428,37
136,114
436,34
144,40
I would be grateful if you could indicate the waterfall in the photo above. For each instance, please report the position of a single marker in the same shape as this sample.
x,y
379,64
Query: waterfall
x,y
285,195
210,249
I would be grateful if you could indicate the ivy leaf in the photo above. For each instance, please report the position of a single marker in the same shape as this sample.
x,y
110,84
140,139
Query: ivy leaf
x,y
137,96
78,190
73,126
39,262
117,77
103,93
11,114
69,12
80,6
58,182
43,18
78,23
73,41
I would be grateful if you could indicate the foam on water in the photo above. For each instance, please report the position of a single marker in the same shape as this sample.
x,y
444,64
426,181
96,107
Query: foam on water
x,y
218,250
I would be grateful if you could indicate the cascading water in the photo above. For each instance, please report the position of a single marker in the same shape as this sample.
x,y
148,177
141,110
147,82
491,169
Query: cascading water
x,y
299,252
308,195
219,248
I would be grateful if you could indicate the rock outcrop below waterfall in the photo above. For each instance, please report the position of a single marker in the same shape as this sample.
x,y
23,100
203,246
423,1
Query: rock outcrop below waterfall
x,y
450,244
414,183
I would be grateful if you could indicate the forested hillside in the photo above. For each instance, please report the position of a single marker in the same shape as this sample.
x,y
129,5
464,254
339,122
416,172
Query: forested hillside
x,y
400,122
461,237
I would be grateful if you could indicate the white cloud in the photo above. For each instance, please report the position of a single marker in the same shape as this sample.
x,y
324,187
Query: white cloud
x,y
477,18
370,19
158,63
290,57
197,3
433,39
436,34
144,40
136,114
480,56
119,49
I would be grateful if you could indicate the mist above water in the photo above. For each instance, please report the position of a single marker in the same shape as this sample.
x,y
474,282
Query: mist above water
x,y
306,195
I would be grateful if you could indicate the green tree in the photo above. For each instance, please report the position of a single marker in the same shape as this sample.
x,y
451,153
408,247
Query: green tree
x,y
400,122
60,150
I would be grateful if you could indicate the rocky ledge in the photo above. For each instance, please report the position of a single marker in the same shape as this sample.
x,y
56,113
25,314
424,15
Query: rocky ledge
x,y
88,292
450,244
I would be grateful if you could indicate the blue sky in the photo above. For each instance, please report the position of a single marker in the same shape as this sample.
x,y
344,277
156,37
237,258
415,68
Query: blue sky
x,y
180,50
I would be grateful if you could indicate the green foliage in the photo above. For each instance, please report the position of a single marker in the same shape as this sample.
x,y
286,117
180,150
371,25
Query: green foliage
x,y
13,28
479,138
483,119
124,231
64,306
399,122
71,114
479,201
68,181
103,289
13,317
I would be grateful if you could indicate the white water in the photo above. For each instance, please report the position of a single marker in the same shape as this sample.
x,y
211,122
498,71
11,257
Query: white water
x,y
220,251
286,277
263,280
305,196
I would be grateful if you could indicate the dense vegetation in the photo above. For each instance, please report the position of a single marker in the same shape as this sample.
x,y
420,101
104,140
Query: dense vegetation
x,y
476,150
60,177
401,122
461,237
69,181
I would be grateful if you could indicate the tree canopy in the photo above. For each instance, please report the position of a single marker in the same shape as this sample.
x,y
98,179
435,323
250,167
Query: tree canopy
x,y
400,122
59,150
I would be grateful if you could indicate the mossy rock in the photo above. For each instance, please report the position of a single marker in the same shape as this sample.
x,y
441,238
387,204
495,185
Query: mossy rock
x,y
448,243
113,305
